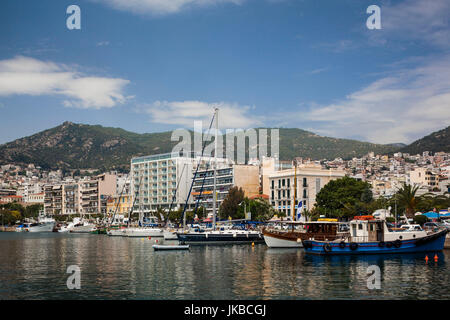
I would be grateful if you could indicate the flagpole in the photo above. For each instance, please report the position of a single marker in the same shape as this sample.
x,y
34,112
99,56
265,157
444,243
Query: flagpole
x,y
294,212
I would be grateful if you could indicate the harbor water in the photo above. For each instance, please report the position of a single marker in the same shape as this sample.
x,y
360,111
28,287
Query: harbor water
x,y
34,266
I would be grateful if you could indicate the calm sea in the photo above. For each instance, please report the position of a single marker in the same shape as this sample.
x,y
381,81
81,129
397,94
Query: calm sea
x,y
34,266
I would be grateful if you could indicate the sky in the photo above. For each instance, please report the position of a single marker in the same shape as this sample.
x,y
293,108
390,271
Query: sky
x,y
159,65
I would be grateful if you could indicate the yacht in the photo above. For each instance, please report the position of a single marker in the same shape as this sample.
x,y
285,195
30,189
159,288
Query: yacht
x,y
83,226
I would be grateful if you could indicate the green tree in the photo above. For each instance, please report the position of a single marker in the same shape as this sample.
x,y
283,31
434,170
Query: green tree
x,y
407,199
230,205
343,197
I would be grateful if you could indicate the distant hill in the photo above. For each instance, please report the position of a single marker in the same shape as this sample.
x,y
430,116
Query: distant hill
x,y
80,146
435,142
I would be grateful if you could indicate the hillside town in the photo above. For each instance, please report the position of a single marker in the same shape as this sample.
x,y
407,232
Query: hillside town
x,y
151,186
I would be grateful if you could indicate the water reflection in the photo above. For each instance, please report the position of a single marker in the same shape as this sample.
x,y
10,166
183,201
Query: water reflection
x,y
33,266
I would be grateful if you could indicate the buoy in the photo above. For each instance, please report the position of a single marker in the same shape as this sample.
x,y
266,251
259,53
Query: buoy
x,y
156,240
253,244
426,258
436,257
149,238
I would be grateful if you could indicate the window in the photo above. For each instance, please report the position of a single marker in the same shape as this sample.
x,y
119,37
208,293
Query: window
x,y
288,182
283,182
360,226
273,184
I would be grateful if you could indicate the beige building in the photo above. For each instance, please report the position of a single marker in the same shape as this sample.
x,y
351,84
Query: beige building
x,y
310,179
227,176
424,177
36,198
87,196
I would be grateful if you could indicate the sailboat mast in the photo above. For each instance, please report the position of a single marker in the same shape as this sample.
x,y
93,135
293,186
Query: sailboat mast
x,y
215,165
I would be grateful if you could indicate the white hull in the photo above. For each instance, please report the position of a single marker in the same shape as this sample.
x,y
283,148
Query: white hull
x,y
44,227
144,232
83,229
273,242
170,235
116,232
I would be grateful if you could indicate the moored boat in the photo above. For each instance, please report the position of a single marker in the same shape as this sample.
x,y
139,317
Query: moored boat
x,y
289,234
371,236
221,237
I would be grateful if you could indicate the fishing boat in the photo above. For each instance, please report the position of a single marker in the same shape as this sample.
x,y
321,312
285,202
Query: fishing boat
x,y
289,234
368,235
43,224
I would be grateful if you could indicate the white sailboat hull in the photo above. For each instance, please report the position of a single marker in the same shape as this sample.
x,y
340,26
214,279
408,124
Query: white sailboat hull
x,y
83,229
170,235
116,232
273,242
143,232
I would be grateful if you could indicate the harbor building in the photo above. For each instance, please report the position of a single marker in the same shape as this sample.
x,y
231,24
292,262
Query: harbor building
x,y
311,178
155,179
227,176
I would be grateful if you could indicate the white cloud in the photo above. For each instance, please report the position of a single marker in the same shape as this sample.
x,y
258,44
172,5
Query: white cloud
x,y
161,7
418,20
29,76
400,107
184,113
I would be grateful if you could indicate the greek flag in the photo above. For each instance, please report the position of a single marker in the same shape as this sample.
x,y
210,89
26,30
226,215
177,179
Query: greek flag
x,y
299,210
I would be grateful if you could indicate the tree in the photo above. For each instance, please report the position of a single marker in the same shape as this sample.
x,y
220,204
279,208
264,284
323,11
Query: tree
x,y
343,197
407,199
260,209
230,205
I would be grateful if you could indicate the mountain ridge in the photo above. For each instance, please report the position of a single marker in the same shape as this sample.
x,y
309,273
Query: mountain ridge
x,y
81,146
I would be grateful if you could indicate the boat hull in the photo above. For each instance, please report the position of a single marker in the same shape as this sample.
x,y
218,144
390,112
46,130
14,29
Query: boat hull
x,y
83,229
157,247
143,232
278,241
170,235
430,243
224,238
44,227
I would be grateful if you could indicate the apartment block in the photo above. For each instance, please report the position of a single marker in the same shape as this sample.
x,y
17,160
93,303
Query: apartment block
x,y
227,176
155,179
310,179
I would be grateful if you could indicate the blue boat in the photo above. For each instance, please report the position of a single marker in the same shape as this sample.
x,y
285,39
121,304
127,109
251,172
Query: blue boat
x,y
374,237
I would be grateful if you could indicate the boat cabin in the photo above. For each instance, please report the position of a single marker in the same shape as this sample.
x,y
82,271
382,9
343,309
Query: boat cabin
x,y
364,229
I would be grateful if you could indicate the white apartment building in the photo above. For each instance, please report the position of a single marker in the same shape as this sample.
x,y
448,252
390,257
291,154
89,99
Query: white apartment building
x,y
310,179
155,179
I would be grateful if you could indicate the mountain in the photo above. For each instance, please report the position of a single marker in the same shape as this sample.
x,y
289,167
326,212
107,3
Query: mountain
x,y
434,142
81,146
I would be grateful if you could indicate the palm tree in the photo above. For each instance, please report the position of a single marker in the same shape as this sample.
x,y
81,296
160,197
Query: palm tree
x,y
406,197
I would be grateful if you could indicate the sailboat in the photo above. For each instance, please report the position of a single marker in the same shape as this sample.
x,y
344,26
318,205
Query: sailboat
x,y
215,236
151,230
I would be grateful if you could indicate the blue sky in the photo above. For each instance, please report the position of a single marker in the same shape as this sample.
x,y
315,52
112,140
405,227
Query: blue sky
x,y
151,65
